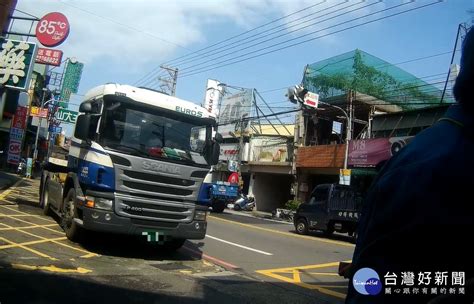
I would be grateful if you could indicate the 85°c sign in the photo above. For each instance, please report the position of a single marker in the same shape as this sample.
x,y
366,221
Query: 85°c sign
x,y
52,29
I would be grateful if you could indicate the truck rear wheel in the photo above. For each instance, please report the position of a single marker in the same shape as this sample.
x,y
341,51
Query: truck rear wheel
x,y
68,214
45,199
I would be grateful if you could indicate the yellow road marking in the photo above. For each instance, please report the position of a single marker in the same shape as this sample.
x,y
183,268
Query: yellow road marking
x,y
284,233
25,214
324,290
295,278
52,268
23,246
34,225
88,253
6,192
323,273
28,227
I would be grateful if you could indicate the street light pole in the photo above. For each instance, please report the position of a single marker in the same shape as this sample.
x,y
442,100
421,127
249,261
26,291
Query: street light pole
x,y
35,153
348,130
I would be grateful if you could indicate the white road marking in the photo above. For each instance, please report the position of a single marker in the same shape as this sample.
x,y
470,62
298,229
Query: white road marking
x,y
238,245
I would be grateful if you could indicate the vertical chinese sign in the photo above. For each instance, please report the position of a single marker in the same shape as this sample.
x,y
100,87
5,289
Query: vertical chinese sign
x,y
17,131
16,66
72,77
16,63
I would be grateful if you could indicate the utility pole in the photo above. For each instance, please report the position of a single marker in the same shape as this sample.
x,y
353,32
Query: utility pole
x,y
168,84
35,152
462,31
241,149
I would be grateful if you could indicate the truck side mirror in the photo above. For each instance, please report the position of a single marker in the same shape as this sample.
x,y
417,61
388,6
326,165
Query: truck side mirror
x,y
218,138
85,107
83,125
215,152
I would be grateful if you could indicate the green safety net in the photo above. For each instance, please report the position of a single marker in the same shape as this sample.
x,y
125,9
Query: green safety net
x,y
367,74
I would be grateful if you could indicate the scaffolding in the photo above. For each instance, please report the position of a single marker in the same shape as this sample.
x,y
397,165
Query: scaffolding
x,y
364,73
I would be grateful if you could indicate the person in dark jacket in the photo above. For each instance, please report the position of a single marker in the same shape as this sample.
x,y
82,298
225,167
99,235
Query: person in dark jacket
x,y
419,213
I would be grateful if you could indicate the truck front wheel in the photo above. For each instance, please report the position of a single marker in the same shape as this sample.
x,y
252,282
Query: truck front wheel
x,y
68,214
173,245
218,206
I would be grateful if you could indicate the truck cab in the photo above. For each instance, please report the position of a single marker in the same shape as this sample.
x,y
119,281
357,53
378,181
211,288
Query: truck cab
x,y
135,166
331,207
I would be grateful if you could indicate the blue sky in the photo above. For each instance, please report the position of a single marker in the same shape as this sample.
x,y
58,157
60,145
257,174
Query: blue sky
x,y
120,42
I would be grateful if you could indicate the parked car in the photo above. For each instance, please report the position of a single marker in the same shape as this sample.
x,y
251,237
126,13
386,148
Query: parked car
x,y
331,207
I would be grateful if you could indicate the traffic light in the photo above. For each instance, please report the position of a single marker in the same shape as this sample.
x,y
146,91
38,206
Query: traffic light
x,y
296,94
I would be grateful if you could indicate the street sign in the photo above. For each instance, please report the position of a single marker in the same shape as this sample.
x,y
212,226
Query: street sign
x,y
67,116
345,177
49,56
39,112
55,129
16,63
311,100
17,131
14,151
72,77
52,29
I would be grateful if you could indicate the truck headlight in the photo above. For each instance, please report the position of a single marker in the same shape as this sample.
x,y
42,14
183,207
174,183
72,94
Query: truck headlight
x,y
200,215
99,203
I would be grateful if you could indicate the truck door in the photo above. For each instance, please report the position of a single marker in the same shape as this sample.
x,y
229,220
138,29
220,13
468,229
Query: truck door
x,y
318,215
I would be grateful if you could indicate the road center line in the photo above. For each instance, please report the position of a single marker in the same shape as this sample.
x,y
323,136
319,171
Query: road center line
x,y
294,235
238,245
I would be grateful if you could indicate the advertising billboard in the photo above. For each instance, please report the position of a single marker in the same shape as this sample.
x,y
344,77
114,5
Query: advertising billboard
x,y
232,109
371,152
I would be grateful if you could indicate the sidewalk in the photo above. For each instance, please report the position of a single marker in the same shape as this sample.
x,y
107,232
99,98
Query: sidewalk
x,y
257,214
7,179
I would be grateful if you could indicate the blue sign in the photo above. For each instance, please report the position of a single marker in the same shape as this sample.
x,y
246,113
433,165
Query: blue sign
x,y
54,129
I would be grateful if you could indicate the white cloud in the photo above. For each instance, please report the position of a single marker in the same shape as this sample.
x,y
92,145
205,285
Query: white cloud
x,y
139,32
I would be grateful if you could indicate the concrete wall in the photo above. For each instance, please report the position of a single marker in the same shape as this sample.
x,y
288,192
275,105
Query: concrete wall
x,y
271,191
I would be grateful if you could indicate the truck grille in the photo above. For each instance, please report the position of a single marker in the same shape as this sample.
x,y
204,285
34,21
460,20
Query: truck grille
x,y
157,197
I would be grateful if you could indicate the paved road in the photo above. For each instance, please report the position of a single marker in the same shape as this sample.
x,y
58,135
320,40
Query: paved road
x,y
273,252
242,260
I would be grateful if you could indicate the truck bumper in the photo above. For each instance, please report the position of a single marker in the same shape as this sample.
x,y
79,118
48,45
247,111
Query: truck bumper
x,y
108,221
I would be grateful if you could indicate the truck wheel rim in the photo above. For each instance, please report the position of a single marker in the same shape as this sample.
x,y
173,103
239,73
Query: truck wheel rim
x,y
46,199
300,227
68,213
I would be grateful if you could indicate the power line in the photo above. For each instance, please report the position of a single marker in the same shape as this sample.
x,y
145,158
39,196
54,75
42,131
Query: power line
x,y
122,24
301,42
246,32
225,47
287,33
228,39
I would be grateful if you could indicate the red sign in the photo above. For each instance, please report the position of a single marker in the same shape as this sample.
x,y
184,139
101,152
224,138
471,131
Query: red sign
x,y
49,56
38,112
19,120
14,148
52,29
233,178
311,99
371,152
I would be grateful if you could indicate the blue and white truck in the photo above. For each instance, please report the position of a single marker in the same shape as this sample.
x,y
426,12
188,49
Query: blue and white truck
x,y
135,166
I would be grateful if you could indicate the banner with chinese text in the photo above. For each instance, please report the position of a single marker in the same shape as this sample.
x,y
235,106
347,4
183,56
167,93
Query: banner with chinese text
x,y
16,63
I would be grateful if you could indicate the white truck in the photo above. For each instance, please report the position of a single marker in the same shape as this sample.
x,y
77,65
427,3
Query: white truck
x,y
135,166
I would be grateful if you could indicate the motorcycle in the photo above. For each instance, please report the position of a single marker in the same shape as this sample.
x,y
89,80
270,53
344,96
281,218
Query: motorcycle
x,y
21,170
244,203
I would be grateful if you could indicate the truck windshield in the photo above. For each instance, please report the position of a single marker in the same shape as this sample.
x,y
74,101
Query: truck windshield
x,y
153,133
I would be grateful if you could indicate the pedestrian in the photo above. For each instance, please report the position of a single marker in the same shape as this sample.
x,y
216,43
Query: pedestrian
x,y
417,223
